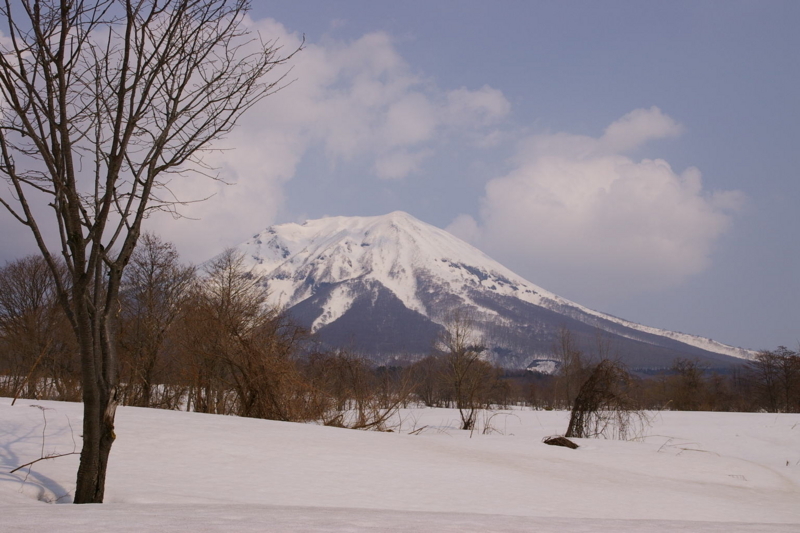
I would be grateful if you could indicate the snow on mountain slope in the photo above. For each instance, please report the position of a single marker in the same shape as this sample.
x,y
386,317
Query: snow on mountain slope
x,y
420,265
392,249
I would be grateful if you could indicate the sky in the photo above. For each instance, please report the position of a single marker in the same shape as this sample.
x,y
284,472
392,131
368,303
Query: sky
x,y
639,158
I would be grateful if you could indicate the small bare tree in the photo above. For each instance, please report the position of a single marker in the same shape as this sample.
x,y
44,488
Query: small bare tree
x,y
468,375
102,103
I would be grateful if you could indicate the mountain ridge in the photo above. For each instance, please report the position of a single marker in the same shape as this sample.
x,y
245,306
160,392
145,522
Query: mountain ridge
x,y
320,269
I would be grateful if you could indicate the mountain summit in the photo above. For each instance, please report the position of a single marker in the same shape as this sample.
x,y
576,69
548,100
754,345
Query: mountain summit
x,y
383,286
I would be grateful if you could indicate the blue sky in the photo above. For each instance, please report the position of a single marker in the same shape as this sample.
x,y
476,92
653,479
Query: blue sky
x,y
639,158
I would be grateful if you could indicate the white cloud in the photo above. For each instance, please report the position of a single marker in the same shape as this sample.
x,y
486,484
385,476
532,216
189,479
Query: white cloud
x,y
638,127
465,227
354,100
621,136
488,105
409,121
399,164
576,213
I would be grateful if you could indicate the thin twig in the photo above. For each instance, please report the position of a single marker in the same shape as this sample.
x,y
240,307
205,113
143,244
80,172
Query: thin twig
x,y
43,458
49,456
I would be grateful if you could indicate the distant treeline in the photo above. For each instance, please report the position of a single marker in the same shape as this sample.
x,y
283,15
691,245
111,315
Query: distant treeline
x,y
769,383
207,341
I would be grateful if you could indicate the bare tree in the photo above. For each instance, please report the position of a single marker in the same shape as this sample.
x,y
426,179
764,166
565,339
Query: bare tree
x,y
103,102
571,365
226,309
468,375
687,384
428,376
776,375
789,379
154,286
35,346
240,350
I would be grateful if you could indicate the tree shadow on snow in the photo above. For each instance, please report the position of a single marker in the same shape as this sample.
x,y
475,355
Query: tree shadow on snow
x,y
28,481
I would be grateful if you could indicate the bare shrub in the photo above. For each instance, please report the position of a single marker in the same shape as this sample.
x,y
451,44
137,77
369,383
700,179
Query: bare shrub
x,y
604,406
354,394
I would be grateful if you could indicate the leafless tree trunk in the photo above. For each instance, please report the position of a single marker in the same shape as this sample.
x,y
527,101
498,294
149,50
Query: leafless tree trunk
x,y
104,101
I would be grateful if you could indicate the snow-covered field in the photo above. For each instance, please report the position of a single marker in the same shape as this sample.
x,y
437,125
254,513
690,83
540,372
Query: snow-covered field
x,y
174,471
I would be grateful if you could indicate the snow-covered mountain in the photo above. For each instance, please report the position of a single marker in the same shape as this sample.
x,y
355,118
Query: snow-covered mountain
x,y
384,285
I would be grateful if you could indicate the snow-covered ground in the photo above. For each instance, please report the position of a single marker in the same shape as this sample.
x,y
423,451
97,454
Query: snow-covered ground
x,y
174,471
